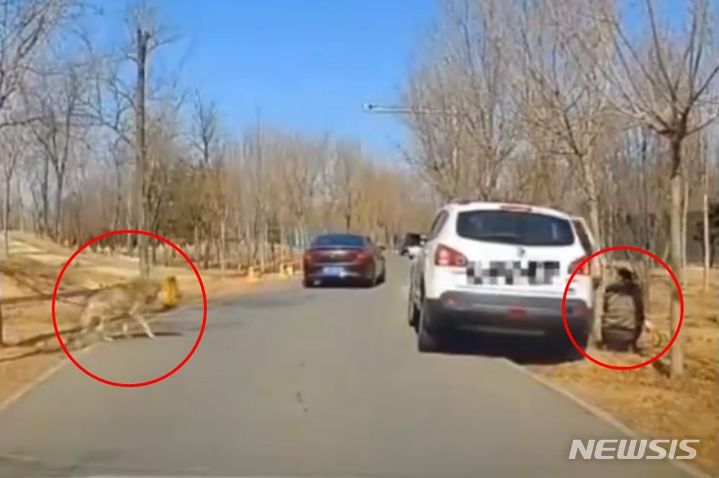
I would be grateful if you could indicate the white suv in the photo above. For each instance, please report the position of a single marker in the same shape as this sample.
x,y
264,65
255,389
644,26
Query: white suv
x,y
500,268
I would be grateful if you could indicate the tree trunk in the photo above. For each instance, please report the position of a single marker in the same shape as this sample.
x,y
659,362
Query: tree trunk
x,y
2,323
60,178
6,207
196,243
707,247
223,243
705,219
129,238
250,245
21,209
6,215
263,244
676,355
45,189
2,326
206,249
118,200
141,186
595,224
685,216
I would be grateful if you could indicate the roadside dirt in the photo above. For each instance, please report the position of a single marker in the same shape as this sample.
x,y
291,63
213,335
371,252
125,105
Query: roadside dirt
x,y
31,270
648,401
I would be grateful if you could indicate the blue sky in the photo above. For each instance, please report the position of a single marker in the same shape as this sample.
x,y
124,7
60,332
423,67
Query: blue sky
x,y
309,65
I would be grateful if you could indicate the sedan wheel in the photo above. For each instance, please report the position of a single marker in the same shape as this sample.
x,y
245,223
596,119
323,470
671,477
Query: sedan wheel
x,y
383,277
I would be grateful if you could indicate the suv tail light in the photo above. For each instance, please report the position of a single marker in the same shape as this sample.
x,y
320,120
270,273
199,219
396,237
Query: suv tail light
x,y
584,271
448,257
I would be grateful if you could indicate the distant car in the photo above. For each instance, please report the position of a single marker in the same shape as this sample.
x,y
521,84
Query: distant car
x,y
344,258
411,245
500,268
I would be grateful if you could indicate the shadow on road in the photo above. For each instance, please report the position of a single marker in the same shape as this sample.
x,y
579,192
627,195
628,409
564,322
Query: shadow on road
x,y
327,284
53,348
521,350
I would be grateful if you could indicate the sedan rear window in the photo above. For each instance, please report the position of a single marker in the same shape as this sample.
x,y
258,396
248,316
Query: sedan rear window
x,y
338,240
513,227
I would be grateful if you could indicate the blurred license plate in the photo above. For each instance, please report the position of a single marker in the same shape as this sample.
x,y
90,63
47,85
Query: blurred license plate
x,y
333,271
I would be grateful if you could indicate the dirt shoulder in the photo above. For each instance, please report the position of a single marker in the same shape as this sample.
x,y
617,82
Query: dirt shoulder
x,y
645,399
31,270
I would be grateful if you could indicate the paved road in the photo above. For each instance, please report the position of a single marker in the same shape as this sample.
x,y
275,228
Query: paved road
x,y
301,383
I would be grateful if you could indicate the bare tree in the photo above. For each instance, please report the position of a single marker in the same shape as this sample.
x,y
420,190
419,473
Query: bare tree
x,y
26,27
460,108
56,130
343,181
13,143
211,210
122,107
663,85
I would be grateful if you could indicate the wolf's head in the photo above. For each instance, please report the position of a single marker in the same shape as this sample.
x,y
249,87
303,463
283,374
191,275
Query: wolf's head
x,y
170,292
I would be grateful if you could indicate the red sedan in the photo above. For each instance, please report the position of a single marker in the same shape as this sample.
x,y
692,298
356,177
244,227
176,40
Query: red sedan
x,y
341,258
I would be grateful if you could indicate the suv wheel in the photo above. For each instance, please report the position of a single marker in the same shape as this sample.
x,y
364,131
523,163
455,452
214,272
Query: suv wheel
x,y
412,312
426,341
565,348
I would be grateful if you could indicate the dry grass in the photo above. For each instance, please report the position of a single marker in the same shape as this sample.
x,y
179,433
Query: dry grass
x,y
646,399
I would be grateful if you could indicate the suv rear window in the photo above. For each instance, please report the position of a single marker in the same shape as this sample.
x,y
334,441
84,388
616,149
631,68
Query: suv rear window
x,y
512,227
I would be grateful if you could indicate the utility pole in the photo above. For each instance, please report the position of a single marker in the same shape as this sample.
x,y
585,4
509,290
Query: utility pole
x,y
261,207
141,186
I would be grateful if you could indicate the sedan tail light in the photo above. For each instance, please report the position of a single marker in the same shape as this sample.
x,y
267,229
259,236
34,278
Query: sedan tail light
x,y
447,257
584,271
363,256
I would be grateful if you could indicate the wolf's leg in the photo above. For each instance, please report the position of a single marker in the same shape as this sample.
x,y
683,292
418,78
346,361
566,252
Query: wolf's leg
x,y
126,330
86,320
138,316
101,331
145,326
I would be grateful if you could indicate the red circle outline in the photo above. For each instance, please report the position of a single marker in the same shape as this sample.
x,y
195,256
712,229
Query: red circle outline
x,y
199,336
681,308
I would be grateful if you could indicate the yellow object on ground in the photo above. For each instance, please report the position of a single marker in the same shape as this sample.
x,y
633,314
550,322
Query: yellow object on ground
x,y
254,274
170,291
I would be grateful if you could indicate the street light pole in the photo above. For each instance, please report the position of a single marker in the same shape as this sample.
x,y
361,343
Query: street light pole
x,y
395,109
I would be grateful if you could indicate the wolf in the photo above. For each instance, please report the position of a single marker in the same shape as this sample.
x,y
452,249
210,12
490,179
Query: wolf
x,y
131,300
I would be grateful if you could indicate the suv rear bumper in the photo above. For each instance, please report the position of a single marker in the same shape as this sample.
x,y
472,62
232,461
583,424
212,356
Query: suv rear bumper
x,y
520,315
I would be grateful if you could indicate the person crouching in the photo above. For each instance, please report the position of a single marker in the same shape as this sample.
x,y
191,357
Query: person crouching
x,y
623,317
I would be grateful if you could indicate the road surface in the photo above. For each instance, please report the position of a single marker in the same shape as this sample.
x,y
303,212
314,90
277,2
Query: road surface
x,y
320,382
